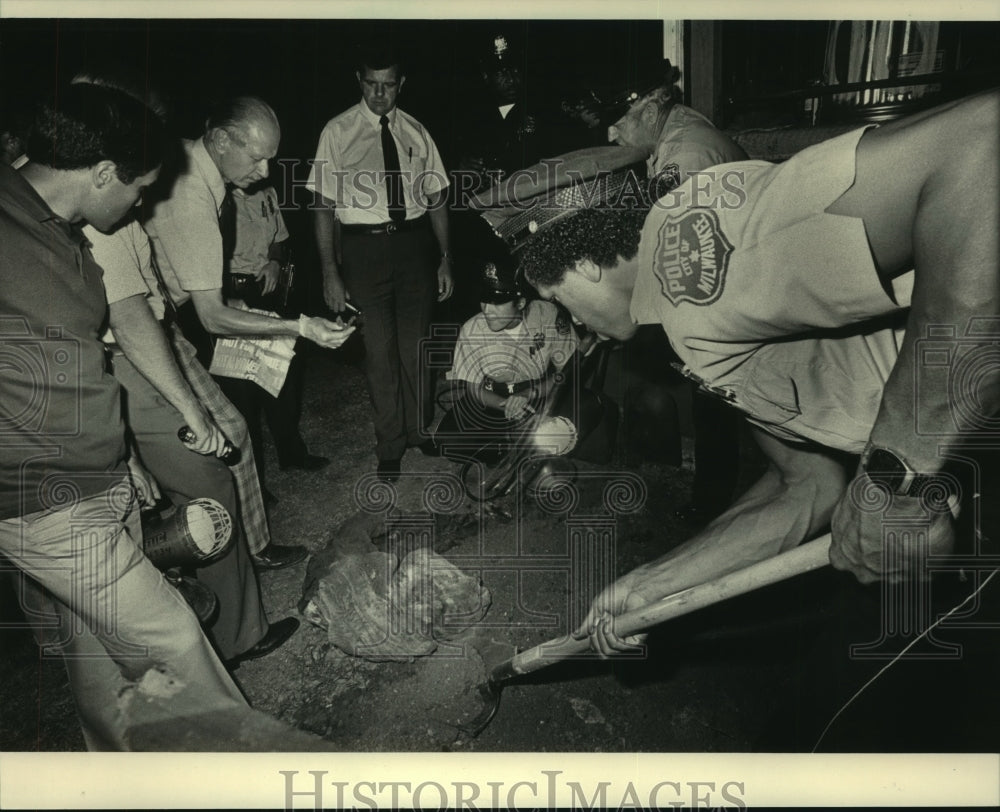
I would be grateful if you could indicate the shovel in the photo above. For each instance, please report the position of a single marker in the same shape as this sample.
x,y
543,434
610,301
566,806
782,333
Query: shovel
x,y
805,558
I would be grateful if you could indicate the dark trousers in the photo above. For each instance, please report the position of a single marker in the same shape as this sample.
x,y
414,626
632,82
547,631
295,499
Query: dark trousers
x,y
281,413
392,279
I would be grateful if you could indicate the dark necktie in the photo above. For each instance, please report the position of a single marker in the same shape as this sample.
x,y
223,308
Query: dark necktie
x,y
393,178
227,227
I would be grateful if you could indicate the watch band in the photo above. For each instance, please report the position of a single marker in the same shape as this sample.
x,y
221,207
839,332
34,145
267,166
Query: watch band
x,y
886,467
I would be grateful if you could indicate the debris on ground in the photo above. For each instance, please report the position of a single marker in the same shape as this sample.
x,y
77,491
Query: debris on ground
x,y
375,606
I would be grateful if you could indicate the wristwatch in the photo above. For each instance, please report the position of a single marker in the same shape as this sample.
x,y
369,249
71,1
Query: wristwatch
x,y
887,468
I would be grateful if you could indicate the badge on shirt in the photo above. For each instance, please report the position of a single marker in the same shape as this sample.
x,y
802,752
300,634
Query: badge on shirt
x,y
692,255
666,180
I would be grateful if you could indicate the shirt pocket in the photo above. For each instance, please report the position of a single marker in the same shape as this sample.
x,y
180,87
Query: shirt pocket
x,y
810,387
769,394
413,160
413,156
358,179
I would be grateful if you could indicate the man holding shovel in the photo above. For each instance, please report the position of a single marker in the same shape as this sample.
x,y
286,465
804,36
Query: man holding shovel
x,y
799,293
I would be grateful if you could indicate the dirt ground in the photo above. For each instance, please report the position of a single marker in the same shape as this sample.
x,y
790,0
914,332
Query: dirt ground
x,y
762,672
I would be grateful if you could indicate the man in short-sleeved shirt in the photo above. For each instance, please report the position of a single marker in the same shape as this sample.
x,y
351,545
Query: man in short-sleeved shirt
x,y
506,364
379,183
61,466
783,288
260,229
184,230
681,142
241,136
519,353
154,418
709,273
258,254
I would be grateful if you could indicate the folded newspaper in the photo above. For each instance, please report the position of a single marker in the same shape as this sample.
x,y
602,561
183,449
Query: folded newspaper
x,y
262,360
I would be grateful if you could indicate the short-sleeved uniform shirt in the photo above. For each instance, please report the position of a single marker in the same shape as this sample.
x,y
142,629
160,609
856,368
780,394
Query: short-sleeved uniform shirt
x,y
689,143
524,352
770,301
259,225
349,167
184,227
60,418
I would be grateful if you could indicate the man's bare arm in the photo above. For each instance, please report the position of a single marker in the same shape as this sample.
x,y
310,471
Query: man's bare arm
x,y
325,227
790,503
928,191
927,188
438,213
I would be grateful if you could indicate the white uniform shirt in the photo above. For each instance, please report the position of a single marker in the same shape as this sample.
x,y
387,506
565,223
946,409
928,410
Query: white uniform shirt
x,y
772,302
689,143
259,225
349,169
184,228
523,353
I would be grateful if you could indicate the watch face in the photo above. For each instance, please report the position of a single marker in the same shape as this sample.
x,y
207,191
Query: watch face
x,y
886,468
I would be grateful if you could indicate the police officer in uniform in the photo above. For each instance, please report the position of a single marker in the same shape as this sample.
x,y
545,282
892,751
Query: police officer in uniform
x,y
509,361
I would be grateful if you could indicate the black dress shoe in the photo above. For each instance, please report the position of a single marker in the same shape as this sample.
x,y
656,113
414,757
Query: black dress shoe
x,y
307,462
199,597
388,470
277,634
276,556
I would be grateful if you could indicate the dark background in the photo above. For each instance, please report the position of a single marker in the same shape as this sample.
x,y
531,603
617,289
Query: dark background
x,y
304,68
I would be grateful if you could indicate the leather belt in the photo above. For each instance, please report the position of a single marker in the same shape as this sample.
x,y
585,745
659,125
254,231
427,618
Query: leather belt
x,y
386,228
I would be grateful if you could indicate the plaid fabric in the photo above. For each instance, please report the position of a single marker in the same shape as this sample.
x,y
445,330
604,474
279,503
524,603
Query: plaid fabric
x,y
235,428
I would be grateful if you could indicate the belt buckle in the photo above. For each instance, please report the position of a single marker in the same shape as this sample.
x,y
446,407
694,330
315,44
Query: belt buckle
x,y
391,228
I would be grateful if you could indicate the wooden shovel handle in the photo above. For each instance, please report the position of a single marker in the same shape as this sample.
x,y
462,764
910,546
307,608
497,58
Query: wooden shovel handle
x,y
804,558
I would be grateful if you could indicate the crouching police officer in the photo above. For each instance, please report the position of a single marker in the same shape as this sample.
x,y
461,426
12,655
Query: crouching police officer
x,y
512,366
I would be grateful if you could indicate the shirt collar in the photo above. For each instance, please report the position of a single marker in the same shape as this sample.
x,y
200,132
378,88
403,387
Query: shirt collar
x,y
375,120
15,188
208,169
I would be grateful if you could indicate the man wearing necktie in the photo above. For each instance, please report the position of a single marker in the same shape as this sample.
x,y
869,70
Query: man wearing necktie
x,y
378,172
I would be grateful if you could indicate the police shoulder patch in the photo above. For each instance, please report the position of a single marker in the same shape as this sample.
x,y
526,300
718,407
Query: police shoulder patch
x,y
692,256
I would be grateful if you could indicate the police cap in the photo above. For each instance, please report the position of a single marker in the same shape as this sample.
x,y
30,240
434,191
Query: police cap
x,y
491,262
534,198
